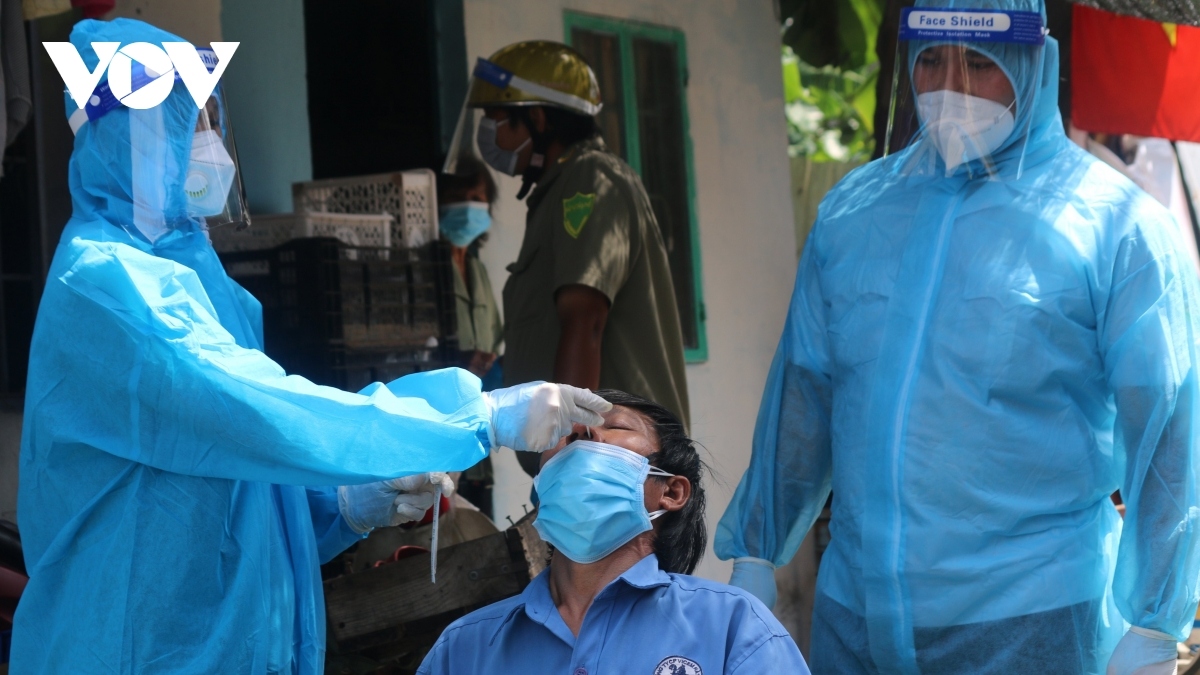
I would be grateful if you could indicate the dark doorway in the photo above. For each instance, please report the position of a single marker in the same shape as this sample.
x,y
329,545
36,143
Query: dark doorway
x,y
385,80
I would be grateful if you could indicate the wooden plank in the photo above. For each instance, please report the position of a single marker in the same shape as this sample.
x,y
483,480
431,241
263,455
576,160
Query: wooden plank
x,y
473,573
533,550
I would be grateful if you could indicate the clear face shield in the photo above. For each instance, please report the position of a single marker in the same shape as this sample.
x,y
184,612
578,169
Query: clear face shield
x,y
483,138
965,84
212,183
487,138
174,178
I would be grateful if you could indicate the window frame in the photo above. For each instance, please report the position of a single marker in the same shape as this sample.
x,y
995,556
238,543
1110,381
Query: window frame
x,y
626,31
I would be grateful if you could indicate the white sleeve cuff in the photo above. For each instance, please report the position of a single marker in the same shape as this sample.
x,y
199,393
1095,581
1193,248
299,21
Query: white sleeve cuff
x,y
491,427
754,561
1152,634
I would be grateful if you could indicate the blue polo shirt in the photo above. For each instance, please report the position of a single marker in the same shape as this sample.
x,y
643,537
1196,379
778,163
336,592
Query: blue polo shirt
x,y
646,622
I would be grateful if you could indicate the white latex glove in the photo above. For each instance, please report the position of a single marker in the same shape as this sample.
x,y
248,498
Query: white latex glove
x,y
391,502
757,576
532,417
1143,652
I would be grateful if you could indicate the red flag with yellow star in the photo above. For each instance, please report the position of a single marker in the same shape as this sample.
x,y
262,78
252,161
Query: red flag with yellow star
x,y
1133,76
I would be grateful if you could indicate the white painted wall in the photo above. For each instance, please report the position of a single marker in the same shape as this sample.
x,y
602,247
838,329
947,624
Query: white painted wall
x,y
735,104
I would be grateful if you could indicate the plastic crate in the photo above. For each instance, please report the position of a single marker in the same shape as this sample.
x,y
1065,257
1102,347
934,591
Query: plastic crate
x,y
352,229
264,232
409,196
347,316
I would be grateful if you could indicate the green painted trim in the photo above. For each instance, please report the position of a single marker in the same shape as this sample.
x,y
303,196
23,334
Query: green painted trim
x,y
626,31
449,65
599,24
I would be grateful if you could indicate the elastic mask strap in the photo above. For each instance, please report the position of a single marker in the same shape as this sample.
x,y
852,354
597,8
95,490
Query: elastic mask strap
x,y
655,471
537,161
530,177
1009,108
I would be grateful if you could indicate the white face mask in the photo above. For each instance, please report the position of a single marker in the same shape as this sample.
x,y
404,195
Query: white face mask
x,y
504,161
964,128
209,175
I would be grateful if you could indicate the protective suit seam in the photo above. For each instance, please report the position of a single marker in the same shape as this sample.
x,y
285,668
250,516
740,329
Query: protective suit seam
x,y
746,657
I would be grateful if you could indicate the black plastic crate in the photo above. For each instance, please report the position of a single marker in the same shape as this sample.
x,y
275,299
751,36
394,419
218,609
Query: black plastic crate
x,y
345,316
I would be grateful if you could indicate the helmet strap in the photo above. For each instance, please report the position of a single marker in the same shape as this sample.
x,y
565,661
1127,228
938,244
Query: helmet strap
x,y
537,161
529,178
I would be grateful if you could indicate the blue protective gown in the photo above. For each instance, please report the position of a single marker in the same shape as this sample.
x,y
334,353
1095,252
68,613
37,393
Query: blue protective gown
x,y
163,509
974,366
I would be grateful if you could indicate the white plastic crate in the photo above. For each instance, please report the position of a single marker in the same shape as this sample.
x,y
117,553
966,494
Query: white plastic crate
x,y
264,232
410,197
352,229
356,230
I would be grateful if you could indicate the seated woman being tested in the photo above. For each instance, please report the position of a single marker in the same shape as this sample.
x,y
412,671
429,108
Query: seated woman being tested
x,y
622,506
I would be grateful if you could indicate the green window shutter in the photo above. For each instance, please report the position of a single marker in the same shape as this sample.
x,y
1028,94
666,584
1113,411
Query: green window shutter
x,y
643,74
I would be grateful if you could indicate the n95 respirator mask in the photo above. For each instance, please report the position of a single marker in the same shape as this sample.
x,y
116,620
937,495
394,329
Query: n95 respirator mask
x,y
962,127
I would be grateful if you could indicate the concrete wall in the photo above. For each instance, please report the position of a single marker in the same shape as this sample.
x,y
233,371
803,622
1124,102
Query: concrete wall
x,y
268,93
735,103
198,21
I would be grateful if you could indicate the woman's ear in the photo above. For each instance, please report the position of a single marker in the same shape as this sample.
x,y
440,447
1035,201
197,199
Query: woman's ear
x,y
676,493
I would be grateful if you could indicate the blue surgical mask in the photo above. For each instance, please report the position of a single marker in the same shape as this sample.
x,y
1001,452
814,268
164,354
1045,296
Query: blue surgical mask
x,y
504,161
462,223
592,499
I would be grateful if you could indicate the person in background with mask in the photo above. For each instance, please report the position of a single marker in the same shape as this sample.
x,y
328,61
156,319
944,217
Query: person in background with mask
x,y
590,301
622,505
464,216
169,505
991,332
465,205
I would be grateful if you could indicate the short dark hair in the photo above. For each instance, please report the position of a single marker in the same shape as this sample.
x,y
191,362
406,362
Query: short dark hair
x,y
683,534
471,172
563,126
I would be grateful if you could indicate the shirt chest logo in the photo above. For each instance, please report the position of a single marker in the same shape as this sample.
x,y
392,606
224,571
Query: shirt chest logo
x,y
677,665
576,211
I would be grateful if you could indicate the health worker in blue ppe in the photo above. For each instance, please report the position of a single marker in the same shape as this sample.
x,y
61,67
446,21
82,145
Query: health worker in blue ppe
x,y
167,505
990,333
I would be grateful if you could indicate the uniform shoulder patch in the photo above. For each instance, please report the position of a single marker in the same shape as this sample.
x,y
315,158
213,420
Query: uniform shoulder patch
x,y
576,211
677,665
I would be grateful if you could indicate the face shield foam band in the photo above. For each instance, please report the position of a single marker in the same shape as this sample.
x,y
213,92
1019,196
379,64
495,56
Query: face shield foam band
x,y
502,79
103,101
983,25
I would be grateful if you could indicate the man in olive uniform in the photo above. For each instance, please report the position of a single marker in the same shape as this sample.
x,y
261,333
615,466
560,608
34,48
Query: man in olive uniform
x,y
590,301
